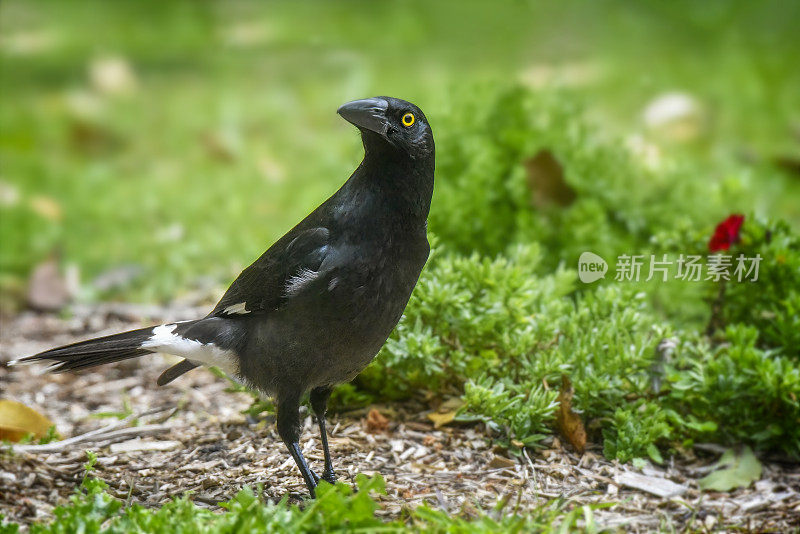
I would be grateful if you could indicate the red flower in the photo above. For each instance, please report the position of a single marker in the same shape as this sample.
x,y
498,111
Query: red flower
x,y
726,233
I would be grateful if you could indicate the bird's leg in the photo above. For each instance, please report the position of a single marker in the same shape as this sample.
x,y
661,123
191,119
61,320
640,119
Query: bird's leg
x,y
319,404
289,431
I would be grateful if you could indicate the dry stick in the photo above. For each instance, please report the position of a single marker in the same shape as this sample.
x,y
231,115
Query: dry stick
x,y
111,431
107,435
599,478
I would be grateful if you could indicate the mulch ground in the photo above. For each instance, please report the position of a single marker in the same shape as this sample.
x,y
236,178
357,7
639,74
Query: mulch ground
x,y
190,436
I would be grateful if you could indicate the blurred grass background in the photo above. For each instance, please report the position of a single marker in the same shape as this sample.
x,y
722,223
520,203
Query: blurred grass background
x,y
184,137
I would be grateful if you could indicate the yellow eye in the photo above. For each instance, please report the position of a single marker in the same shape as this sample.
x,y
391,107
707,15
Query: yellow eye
x,y
408,119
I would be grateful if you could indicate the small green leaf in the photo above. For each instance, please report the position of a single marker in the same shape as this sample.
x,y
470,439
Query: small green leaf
x,y
735,471
654,454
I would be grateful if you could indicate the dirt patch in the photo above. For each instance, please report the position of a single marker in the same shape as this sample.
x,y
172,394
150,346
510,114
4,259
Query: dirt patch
x,y
155,443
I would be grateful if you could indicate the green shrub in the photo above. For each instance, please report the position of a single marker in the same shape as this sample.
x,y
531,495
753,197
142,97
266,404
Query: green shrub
x,y
772,303
636,429
524,418
748,394
484,190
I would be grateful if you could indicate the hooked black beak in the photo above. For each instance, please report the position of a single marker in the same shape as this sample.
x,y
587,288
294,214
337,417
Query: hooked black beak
x,y
369,113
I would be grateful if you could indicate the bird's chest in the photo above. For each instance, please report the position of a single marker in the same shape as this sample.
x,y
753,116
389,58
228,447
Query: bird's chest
x,y
377,285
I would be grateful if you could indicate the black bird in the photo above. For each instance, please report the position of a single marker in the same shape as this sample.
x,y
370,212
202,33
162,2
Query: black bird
x,y
317,306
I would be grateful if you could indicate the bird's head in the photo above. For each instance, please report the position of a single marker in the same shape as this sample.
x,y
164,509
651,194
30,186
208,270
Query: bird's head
x,y
391,125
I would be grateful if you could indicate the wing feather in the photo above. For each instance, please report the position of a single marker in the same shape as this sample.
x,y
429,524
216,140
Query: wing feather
x,y
281,273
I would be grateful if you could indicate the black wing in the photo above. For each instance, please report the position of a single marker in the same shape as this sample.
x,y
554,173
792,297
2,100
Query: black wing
x,y
279,274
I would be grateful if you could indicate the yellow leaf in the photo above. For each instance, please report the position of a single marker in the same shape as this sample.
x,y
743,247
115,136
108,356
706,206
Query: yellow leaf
x,y
441,419
47,207
17,420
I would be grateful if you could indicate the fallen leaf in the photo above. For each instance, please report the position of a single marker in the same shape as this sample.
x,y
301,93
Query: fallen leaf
x,y
441,419
112,75
789,163
47,207
453,403
656,485
29,43
219,147
17,420
118,277
9,194
570,74
734,471
501,462
271,169
376,422
247,34
446,412
569,423
47,288
546,181
91,137
674,116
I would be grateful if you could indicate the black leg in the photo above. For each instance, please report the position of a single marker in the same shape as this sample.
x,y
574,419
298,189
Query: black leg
x,y
289,431
319,403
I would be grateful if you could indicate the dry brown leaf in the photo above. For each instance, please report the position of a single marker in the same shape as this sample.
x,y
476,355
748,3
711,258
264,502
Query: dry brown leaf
x,y
376,422
569,423
546,181
47,288
501,462
218,147
92,137
17,420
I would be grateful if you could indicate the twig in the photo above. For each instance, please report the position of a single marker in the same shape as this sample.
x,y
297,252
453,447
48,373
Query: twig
x,y
107,434
59,445
442,502
599,478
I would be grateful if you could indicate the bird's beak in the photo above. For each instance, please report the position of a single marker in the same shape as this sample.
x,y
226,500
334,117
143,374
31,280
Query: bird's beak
x,y
369,113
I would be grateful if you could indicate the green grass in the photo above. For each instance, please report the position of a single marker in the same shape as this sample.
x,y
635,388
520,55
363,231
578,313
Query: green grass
x,y
336,509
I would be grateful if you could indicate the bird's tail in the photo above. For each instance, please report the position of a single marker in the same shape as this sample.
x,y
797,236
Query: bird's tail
x,y
92,352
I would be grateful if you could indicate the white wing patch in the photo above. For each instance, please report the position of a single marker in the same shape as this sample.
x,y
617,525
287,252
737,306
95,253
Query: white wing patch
x,y
208,354
296,283
236,309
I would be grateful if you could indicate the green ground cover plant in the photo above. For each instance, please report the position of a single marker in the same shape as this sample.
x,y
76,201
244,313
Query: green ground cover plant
x,y
338,508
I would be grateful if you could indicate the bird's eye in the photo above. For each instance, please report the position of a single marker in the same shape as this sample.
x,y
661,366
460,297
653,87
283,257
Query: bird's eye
x,y
408,119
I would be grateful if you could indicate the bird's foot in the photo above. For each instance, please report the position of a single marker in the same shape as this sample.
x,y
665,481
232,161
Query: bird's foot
x,y
316,477
329,476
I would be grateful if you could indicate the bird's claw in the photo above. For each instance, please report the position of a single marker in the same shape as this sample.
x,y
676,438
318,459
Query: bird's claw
x,y
329,476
